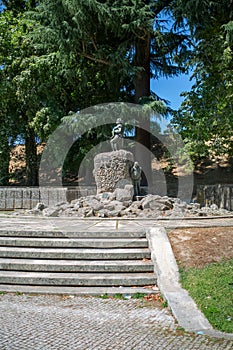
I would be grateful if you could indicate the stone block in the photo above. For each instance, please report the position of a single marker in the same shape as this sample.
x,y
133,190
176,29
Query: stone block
x,y
51,212
72,193
26,194
2,199
156,202
18,198
111,168
62,194
10,198
124,194
35,196
44,195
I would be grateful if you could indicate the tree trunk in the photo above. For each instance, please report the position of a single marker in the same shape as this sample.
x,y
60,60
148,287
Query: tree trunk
x,y
142,88
4,162
31,159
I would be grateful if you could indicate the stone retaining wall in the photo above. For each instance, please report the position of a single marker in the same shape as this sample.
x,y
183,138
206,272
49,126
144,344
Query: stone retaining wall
x,y
27,197
221,195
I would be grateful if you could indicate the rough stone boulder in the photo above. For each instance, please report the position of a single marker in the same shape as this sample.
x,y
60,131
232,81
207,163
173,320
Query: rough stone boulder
x,y
111,170
124,194
156,202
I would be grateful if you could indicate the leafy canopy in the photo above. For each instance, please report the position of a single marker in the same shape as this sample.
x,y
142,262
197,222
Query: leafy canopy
x,y
206,115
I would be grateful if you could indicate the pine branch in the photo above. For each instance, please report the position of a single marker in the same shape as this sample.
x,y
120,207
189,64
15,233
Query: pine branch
x,y
91,57
95,59
94,44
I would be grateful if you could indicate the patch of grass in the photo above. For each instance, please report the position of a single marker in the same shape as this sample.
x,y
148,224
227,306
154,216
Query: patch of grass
x,y
18,293
138,295
104,296
212,289
119,296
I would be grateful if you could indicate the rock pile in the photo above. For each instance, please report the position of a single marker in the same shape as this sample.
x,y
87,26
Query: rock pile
x,y
120,204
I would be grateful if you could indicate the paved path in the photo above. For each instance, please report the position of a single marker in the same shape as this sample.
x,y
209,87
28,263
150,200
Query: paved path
x,y
44,322
11,222
73,323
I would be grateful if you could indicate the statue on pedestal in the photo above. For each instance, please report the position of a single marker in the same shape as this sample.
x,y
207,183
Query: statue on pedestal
x,y
135,173
117,136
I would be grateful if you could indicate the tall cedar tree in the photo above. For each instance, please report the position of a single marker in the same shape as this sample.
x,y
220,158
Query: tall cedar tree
x,y
16,7
34,94
123,38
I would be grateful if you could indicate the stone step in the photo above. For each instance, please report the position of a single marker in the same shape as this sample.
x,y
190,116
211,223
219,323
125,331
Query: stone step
x,y
73,234
74,242
76,265
75,253
83,263
77,279
85,291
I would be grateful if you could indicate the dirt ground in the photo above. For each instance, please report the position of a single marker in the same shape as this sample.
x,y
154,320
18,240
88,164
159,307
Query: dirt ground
x,y
197,247
207,171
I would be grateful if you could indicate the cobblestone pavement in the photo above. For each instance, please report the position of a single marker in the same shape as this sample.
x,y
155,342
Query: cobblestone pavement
x,y
71,323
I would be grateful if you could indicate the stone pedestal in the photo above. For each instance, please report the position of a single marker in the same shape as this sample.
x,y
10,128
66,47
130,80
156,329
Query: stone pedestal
x,y
111,170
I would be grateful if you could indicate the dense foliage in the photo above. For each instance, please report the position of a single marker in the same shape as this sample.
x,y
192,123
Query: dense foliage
x,y
66,55
25,83
205,119
73,54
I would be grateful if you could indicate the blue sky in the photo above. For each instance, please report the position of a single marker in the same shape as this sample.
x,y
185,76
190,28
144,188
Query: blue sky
x,y
170,89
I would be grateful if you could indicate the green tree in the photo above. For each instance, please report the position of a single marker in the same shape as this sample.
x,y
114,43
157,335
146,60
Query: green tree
x,y
8,117
34,94
123,43
15,56
17,6
206,115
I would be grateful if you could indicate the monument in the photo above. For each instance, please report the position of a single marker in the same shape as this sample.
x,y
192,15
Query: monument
x,y
118,180
117,169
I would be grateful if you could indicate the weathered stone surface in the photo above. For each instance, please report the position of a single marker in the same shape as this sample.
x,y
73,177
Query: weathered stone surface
x,y
156,202
28,197
104,213
124,194
111,170
38,209
53,212
92,203
2,199
221,195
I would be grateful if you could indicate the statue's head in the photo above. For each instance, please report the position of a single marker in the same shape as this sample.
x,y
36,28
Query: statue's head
x,y
119,121
136,164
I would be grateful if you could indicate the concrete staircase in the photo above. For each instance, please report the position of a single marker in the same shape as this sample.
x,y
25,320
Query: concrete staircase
x,y
75,262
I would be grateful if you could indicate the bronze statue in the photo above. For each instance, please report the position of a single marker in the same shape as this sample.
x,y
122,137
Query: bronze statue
x,y
117,136
135,173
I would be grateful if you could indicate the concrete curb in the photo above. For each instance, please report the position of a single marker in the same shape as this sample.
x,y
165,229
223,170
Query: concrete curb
x,y
182,305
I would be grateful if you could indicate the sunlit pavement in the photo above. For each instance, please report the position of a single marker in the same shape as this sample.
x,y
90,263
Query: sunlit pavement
x,y
54,322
